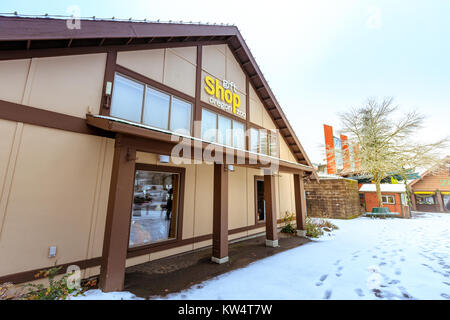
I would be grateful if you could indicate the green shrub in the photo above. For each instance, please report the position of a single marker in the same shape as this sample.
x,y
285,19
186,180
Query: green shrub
x,y
56,289
315,228
312,229
287,220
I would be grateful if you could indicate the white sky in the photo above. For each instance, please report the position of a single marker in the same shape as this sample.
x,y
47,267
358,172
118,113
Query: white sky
x,y
320,57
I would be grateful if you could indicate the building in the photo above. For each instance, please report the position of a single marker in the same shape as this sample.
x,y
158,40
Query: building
x,y
90,118
431,192
393,197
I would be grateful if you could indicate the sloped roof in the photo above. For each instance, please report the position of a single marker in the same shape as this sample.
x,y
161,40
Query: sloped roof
x,y
22,37
385,187
429,171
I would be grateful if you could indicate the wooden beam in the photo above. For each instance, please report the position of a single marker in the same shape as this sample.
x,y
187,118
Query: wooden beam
x,y
220,215
271,213
300,203
198,85
115,243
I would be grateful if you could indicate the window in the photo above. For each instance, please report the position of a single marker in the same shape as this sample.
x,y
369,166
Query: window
x,y
425,199
238,135
389,199
254,140
141,103
223,130
180,116
155,207
156,110
263,141
209,125
127,99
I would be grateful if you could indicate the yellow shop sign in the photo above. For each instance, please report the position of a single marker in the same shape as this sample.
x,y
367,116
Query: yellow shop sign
x,y
224,95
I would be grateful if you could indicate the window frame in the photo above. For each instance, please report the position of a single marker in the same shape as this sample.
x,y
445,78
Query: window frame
x,y
160,245
270,134
388,196
144,97
232,120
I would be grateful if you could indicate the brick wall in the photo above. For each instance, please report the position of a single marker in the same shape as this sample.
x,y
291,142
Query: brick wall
x,y
332,198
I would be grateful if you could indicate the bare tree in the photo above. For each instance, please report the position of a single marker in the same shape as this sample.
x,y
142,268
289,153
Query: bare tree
x,y
385,144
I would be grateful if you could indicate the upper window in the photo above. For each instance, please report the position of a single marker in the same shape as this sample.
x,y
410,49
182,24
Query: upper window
x,y
389,199
223,130
263,141
137,102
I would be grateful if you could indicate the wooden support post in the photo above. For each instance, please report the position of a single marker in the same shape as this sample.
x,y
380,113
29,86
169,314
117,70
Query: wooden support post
x,y
220,215
198,86
300,204
440,201
271,212
413,201
115,244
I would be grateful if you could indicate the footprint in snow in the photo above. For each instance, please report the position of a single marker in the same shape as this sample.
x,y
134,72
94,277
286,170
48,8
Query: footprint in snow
x,y
398,272
321,280
359,292
446,296
327,294
337,262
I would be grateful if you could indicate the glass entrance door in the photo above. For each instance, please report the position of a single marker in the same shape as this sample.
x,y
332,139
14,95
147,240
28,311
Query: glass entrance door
x,y
260,202
155,207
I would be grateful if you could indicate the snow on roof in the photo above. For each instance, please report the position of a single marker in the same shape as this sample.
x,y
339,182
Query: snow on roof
x,y
385,187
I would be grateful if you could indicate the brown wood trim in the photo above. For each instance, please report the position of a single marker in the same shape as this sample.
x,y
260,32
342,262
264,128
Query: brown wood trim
x,y
118,218
247,111
222,112
271,213
50,119
300,201
105,103
56,52
198,86
161,143
25,276
220,213
158,85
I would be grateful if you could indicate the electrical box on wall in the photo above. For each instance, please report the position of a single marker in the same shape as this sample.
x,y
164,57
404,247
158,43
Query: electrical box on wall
x,y
164,159
52,252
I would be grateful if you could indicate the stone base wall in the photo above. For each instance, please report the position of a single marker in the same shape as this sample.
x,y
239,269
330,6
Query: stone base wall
x,y
333,198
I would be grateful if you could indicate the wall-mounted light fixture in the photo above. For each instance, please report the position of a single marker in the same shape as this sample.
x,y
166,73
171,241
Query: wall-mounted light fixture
x,y
230,168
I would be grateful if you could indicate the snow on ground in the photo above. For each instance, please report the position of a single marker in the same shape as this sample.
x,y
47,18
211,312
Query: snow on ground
x,y
367,258
97,294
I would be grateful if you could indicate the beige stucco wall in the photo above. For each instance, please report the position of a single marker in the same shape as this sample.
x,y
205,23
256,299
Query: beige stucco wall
x,y
175,68
51,198
69,84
